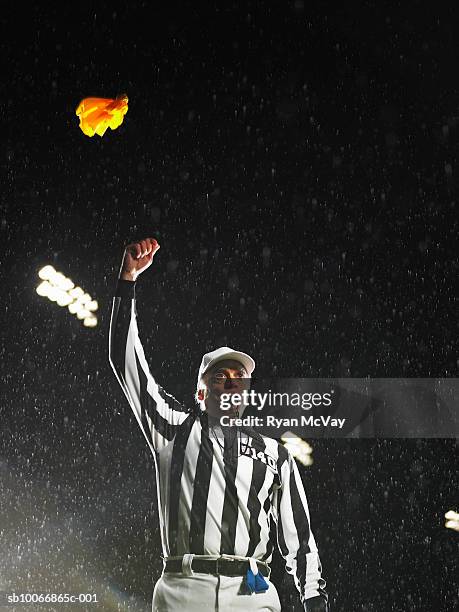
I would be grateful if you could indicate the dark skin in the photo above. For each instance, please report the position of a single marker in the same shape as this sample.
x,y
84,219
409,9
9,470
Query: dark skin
x,y
226,376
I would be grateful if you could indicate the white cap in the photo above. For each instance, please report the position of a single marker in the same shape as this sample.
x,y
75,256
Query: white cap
x,y
225,352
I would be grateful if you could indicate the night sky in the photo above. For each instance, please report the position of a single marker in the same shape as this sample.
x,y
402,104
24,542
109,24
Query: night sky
x,y
298,163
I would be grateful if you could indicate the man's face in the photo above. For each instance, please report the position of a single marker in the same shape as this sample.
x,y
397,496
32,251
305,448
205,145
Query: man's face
x,y
228,376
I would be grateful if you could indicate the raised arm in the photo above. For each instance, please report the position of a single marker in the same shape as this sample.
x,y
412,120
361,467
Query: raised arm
x,y
158,413
296,540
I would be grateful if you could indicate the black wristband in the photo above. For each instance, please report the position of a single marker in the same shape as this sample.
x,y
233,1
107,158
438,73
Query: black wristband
x,y
125,288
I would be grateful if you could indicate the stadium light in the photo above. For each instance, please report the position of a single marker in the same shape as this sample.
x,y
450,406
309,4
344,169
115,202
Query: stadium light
x,y
62,290
47,272
452,520
298,447
90,321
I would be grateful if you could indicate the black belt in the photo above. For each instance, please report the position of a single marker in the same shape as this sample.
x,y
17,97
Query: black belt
x,y
226,567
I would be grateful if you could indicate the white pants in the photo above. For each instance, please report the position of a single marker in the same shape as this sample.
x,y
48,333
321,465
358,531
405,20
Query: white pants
x,y
204,593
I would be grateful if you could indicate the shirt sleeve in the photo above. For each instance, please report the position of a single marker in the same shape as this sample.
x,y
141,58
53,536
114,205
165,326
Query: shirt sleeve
x,y
158,413
296,540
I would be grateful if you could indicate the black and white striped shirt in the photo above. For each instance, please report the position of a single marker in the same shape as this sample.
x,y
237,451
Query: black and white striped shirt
x,y
211,500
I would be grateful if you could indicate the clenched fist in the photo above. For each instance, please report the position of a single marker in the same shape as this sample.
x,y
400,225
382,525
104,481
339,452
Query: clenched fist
x,y
137,258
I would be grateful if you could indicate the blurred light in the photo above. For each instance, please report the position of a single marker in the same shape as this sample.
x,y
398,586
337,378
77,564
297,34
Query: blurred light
x,y
79,307
298,447
43,288
84,298
53,293
64,299
90,321
63,283
47,272
58,279
60,289
452,521
76,292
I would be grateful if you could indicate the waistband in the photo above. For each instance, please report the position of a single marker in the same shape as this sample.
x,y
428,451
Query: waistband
x,y
225,565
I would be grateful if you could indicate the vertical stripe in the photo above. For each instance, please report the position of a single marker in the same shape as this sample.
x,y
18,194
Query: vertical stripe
x,y
230,503
301,522
271,539
215,499
144,400
203,474
254,505
281,462
243,485
176,468
133,386
119,328
266,497
160,484
188,489
269,551
269,520
163,463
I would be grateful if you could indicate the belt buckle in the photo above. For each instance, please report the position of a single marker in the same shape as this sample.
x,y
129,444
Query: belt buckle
x,y
217,567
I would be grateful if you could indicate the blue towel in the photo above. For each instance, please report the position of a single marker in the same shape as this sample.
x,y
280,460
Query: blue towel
x,y
256,582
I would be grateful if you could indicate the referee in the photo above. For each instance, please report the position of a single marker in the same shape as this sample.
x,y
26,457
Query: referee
x,y
217,486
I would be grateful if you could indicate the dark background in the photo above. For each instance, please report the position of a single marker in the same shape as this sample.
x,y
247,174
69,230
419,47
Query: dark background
x,y
297,161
